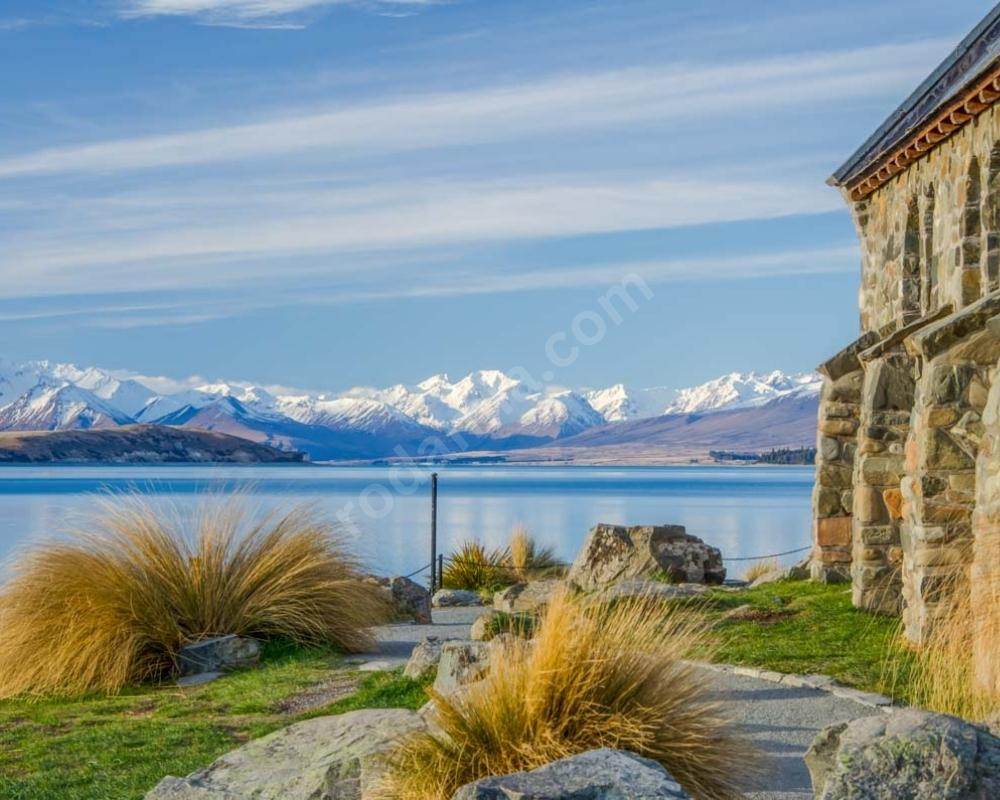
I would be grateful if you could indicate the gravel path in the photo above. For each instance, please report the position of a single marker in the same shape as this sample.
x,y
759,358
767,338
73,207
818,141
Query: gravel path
x,y
782,720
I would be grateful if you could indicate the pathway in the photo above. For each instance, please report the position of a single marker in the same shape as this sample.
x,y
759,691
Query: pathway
x,y
782,720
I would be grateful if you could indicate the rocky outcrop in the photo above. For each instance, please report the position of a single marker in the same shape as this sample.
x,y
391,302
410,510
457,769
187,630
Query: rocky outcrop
x,y
613,553
410,599
445,598
218,654
335,758
907,755
595,775
525,597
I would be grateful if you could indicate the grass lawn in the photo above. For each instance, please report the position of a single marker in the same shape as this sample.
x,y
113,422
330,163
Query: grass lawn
x,y
805,627
112,748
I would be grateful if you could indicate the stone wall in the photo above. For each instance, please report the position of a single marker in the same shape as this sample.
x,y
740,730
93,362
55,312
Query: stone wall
x,y
836,446
985,570
886,400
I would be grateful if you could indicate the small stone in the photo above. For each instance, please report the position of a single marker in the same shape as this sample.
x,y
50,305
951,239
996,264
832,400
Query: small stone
x,y
199,679
461,663
481,626
445,598
218,654
424,659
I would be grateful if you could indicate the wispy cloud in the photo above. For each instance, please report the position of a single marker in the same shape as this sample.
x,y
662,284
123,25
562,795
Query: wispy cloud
x,y
255,13
174,244
555,105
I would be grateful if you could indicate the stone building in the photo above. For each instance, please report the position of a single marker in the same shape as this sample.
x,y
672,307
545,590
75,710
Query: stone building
x,y
907,496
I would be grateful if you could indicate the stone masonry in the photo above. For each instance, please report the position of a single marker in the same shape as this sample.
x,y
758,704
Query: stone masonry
x,y
906,503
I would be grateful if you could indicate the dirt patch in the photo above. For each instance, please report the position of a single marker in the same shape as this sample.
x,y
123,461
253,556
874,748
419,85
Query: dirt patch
x,y
762,616
334,688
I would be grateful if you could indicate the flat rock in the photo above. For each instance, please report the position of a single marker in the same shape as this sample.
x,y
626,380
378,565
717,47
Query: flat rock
x,y
333,758
443,598
613,553
525,597
595,775
199,679
218,654
644,588
906,755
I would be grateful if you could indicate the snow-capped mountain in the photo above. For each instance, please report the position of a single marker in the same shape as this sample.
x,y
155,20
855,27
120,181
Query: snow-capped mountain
x,y
489,408
743,390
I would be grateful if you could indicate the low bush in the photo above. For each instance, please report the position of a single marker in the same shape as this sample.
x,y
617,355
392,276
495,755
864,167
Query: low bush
x,y
476,567
760,568
527,558
111,605
522,624
593,676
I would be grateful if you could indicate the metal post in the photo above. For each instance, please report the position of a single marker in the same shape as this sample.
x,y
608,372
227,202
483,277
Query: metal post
x,y
434,530
440,570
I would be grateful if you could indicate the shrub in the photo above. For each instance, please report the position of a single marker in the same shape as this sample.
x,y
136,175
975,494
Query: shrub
x,y
593,676
527,558
759,568
112,605
474,567
521,624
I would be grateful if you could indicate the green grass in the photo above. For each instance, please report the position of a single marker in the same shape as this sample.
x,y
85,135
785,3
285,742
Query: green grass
x,y
807,627
117,748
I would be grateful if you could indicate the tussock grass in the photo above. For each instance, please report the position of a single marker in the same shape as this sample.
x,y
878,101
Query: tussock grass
x,y
476,567
527,557
594,676
759,568
944,675
110,605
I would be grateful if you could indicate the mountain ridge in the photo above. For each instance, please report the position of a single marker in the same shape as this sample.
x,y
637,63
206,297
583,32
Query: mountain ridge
x,y
486,409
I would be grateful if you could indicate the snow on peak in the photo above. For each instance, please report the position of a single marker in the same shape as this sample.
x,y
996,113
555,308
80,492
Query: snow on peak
x,y
741,390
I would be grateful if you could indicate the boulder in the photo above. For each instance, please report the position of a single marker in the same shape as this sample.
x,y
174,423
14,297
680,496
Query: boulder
x,y
525,597
907,755
461,663
796,572
218,654
424,659
410,599
481,626
443,598
335,758
661,591
613,553
595,775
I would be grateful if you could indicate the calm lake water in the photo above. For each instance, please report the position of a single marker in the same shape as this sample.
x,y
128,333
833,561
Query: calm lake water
x,y
744,511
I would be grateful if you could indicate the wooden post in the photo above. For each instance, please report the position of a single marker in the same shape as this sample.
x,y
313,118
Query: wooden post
x,y
434,530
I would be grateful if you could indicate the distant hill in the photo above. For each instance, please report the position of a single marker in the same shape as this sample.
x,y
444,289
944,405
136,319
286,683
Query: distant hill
x,y
136,444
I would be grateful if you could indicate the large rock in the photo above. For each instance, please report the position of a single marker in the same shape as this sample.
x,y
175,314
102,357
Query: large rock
x,y
612,553
218,654
907,755
461,663
410,599
327,758
424,659
445,598
481,626
525,597
596,775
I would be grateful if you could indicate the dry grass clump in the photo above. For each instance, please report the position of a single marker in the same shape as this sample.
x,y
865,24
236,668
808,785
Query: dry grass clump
x,y
593,676
527,557
759,568
475,567
957,670
111,606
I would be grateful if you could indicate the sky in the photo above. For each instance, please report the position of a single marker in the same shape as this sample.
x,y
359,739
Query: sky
x,y
330,193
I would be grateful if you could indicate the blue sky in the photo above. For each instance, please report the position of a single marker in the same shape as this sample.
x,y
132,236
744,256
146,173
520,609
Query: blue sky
x,y
325,193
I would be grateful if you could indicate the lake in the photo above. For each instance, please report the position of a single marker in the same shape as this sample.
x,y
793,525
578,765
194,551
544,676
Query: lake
x,y
745,511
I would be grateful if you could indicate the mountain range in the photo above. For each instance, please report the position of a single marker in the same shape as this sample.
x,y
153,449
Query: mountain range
x,y
487,410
